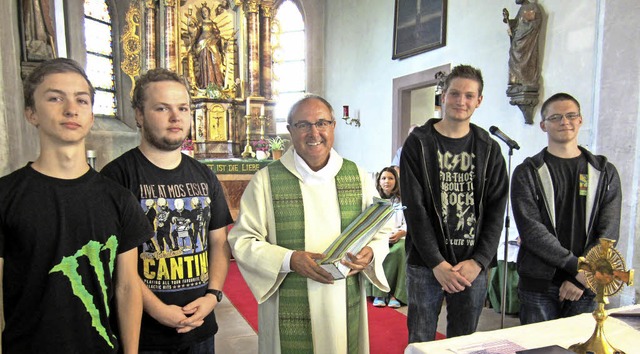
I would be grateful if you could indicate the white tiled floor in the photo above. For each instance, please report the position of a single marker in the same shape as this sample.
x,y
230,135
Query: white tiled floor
x,y
234,336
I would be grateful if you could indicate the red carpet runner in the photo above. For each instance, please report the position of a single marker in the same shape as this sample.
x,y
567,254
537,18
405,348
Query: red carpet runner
x,y
237,291
387,327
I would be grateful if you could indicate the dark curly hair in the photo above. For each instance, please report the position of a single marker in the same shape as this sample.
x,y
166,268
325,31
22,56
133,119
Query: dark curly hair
x,y
153,75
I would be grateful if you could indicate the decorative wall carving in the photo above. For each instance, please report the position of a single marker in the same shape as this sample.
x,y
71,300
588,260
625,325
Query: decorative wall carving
x,y
37,31
131,44
524,69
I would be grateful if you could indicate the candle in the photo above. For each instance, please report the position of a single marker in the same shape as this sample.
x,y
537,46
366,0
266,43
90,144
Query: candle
x,y
248,108
345,111
262,110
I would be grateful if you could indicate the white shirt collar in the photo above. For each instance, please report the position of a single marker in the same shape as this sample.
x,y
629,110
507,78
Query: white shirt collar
x,y
323,175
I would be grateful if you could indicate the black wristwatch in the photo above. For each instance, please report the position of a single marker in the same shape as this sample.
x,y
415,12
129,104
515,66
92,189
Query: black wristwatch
x,y
216,293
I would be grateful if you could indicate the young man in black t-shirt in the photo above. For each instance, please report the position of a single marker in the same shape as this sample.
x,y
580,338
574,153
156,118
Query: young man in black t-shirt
x,y
454,184
564,199
68,235
183,274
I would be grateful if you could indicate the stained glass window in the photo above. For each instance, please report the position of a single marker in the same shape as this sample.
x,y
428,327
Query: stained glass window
x,y
289,67
98,41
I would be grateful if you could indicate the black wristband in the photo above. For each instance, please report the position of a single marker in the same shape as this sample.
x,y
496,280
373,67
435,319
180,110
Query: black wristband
x,y
216,293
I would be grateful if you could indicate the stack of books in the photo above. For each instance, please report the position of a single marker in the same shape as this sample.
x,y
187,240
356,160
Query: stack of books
x,y
357,235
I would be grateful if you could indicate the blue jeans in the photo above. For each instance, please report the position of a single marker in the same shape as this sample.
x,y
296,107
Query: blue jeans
x,y
206,346
539,307
425,301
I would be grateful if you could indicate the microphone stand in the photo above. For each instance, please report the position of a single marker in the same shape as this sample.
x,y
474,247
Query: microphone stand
x,y
503,302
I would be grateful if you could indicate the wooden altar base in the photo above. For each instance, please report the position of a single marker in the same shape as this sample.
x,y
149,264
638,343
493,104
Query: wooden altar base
x,y
216,150
234,175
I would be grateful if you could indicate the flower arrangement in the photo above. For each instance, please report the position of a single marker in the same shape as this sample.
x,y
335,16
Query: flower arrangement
x,y
187,147
277,143
187,144
261,145
214,91
218,92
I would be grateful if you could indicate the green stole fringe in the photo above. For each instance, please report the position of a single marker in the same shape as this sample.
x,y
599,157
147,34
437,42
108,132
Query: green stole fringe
x,y
294,311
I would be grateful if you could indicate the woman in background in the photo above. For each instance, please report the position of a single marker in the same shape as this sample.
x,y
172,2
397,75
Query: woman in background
x,y
388,185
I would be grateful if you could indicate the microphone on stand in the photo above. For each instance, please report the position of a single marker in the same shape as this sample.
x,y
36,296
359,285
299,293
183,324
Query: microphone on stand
x,y
507,221
504,137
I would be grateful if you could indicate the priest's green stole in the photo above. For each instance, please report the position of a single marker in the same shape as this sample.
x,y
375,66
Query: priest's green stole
x,y
294,312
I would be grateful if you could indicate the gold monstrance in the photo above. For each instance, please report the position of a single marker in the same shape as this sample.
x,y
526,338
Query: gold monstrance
x,y
605,272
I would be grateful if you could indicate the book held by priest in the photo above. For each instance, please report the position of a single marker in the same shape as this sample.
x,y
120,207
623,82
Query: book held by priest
x,y
357,235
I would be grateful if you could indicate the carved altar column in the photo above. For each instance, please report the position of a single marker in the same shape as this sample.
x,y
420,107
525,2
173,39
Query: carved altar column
x,y
253,48
267,52
170,50
149,37
231,79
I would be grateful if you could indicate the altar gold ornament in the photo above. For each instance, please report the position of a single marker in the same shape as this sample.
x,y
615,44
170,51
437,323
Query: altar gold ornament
x,y
217,123
131,44
605,273
248,151
207,50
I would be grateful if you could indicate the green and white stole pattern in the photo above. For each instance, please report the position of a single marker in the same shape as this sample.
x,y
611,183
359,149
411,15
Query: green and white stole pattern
x,y
294,312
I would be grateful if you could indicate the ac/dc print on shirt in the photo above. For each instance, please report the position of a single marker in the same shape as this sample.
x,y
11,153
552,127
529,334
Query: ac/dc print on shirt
x,y
457,173
176,258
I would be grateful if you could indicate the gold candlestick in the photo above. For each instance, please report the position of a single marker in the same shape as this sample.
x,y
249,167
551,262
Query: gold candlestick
x,y
262,119
248,151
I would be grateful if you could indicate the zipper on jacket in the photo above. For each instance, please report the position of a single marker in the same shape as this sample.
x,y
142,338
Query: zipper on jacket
x,y
482,191
540,193
435,207
603,179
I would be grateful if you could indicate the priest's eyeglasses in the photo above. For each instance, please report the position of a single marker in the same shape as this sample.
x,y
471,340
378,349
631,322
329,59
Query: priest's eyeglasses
x,y
321,125
558,117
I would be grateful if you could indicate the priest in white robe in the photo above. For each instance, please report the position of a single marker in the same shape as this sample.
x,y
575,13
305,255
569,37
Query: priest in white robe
x,y
265,263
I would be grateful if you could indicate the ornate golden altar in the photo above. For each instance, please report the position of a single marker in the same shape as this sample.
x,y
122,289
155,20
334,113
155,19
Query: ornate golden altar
x,y
223,48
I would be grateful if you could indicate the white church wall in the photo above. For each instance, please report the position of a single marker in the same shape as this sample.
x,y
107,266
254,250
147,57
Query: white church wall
x,y
618,107
360,69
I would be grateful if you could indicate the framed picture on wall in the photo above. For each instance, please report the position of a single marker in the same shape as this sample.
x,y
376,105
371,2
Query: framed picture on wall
x,y
418,26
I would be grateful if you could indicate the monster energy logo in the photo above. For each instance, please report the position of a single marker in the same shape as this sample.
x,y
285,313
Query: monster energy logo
x,y
69,268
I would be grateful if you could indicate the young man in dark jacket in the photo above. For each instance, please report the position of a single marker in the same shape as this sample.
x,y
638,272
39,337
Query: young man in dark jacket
x,y
454,185
564,199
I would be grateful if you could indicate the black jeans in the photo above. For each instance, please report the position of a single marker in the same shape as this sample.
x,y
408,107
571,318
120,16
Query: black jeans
x,y
206,346
538,307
